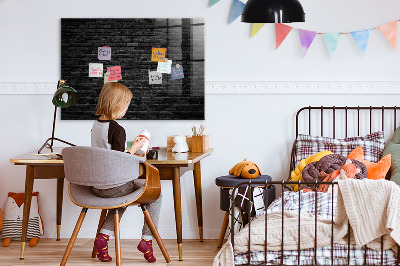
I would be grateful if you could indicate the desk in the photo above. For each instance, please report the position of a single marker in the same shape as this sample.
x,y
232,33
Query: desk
x,y
171,167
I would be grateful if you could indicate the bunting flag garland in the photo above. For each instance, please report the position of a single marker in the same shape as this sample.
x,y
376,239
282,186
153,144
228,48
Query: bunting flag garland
x,y
306,39
332,41
256,28
389,30
237,9
361,37
281,31
213,2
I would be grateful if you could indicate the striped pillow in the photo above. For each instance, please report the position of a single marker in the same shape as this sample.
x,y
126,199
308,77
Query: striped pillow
x,y
372,145
13,228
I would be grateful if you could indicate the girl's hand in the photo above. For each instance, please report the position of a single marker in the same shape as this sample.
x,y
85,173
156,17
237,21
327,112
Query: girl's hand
x,y
142,155
137,144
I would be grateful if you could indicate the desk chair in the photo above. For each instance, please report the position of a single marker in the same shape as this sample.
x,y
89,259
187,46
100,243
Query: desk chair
x,y
85,167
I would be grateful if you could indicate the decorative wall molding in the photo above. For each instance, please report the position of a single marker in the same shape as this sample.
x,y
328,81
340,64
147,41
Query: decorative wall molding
x,y
248,87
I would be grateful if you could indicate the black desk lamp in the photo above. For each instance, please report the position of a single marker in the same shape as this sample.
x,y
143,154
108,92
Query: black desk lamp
x,y
65,96
273,11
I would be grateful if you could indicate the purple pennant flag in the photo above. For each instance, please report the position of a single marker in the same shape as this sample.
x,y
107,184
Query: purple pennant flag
x,y
306,39
237,9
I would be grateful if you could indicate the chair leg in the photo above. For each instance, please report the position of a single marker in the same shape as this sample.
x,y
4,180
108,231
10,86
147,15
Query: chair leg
x,y
101,222
117,239
223,229
73,237
154,230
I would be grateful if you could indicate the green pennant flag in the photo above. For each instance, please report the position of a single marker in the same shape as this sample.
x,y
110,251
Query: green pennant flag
x,y
213,2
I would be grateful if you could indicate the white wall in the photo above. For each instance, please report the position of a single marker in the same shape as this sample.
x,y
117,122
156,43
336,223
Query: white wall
x,y
258,126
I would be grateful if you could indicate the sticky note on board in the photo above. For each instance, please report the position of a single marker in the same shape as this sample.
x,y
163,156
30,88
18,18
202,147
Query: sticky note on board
x,y
115,73
164,67
95,70
106,78
104,53
158,54
177,73
155,77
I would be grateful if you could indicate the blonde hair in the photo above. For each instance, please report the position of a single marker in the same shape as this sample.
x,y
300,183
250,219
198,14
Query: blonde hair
x,y
112,99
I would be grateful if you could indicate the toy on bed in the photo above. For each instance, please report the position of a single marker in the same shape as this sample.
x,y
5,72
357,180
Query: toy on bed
x,y
13,215
245,169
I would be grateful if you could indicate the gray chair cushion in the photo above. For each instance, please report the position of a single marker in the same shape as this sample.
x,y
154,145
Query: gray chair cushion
x,y
83,195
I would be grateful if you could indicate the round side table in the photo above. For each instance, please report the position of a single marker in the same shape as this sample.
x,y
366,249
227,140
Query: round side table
x,y
228,182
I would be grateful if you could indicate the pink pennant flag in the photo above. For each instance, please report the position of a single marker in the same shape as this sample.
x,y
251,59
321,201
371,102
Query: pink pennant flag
x,y
306,39
281,31
389,30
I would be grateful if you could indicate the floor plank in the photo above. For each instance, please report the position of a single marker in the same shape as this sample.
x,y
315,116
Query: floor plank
x,y
49,252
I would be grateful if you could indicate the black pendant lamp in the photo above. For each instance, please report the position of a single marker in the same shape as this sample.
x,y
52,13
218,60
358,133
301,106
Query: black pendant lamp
x,y
273,11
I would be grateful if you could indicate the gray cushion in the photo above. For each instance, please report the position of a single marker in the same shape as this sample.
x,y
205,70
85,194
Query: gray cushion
x,y
393,148
83,195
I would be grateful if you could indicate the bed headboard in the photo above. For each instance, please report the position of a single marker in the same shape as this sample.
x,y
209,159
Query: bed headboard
x,y
344,121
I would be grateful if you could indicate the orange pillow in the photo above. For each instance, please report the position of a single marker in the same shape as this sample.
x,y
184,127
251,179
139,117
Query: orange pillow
x,y
375,170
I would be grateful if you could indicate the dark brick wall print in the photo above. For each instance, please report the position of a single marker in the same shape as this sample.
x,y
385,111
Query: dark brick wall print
x,y
131,41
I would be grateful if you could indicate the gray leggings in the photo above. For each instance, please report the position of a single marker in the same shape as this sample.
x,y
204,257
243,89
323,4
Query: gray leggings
x,y
154,208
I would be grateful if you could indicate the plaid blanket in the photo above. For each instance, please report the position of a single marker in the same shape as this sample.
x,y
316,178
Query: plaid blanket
x,y
323,205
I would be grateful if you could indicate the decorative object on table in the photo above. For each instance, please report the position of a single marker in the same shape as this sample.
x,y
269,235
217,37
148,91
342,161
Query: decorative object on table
x,y
12,224
177,94
375,170
393,147
152,155
65,96
171,143
245,169
200,142
180,144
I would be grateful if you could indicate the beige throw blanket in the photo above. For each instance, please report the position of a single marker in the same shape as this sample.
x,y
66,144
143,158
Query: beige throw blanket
x,y
372,206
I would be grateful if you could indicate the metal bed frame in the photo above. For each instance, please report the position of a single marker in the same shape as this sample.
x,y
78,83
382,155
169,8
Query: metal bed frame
x,y
284,183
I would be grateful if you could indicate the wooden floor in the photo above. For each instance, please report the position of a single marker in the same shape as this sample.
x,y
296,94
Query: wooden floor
x,y
50,252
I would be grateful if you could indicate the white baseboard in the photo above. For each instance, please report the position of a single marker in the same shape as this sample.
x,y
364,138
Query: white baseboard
x,y
247,87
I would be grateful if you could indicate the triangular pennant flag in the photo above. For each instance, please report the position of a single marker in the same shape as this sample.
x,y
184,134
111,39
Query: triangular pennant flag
x,y
281,31
332,41
361,37
237,9
306,39
390,32
255,28
213,2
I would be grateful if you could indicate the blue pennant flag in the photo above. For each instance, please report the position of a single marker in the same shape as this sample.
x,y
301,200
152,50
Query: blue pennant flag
x,y
237,9
332,41
213,2
361,37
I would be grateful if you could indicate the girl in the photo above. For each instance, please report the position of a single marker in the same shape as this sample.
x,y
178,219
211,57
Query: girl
x,y
113,103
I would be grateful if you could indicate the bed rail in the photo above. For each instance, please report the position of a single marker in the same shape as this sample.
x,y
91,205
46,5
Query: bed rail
x,y
265,185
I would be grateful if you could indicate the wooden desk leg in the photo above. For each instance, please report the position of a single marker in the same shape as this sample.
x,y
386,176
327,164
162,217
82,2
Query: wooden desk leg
x,y
176,183
60,190
27,206
199,204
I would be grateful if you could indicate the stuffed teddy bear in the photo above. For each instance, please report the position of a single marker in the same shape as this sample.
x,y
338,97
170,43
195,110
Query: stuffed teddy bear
x,y
180,144
245,169
13,215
